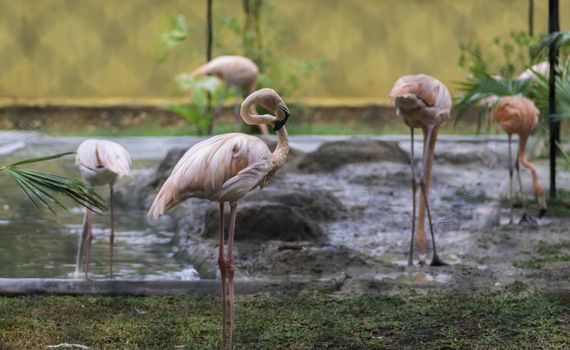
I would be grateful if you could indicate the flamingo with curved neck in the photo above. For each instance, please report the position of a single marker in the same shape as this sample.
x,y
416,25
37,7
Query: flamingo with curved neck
x,y
225,168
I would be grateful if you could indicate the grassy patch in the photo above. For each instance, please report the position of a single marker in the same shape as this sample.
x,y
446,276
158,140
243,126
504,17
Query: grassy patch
x,y
547,253
319,321
560,207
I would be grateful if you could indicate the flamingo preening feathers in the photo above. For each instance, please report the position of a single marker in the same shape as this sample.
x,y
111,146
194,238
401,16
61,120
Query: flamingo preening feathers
x,y
100,162
225,168
422,102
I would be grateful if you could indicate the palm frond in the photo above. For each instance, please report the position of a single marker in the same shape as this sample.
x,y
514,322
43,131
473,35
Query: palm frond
x,y
560,40
478,92
42,188
541,88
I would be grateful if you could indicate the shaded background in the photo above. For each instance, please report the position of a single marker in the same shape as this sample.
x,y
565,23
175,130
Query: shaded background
x,y
106,49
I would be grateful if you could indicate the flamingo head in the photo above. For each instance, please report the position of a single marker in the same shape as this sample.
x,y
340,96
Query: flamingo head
x,y
282,114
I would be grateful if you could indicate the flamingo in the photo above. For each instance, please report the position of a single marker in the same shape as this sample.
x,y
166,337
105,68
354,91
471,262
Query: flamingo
x,y
519,115
542,68
100,162
422,102
224,168
236,71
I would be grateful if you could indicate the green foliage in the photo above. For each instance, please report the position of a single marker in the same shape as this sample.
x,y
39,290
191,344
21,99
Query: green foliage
x,y
174,36
501,57
204,92
482,92
285,75
42,188
560,40
540,91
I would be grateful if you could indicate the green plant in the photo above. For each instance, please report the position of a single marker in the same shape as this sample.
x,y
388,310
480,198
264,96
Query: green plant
x,y
204,93
505,57
42,188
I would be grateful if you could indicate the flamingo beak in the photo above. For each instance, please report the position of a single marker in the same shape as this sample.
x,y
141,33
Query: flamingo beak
x,y
280,123
541,212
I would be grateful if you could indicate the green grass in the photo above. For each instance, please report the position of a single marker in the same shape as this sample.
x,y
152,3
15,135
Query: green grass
x,y
504,320
546,253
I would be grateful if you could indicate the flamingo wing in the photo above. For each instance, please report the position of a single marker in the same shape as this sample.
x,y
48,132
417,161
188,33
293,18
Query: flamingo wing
x,y
205,168
98,154
426,88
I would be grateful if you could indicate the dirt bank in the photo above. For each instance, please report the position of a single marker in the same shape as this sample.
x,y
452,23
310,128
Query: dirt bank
x,y
351,222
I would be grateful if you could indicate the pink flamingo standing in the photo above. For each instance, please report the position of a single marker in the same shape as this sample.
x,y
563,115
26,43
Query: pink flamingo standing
x,y
422,102
519,115
224,168
236,71
100,163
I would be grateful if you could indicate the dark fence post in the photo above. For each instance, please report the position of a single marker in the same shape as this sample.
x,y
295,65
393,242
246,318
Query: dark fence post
x,y
210,33
554,122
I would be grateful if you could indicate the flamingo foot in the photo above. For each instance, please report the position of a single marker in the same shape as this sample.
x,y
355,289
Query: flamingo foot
x,y
528,219
436,261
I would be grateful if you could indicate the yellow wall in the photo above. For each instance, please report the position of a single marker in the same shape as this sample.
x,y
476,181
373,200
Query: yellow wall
x,y
107,48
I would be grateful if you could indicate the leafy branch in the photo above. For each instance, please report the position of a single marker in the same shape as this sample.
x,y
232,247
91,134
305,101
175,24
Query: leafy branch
x,y
42,188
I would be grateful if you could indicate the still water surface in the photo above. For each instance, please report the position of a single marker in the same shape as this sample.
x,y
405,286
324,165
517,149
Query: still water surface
x,y
37,243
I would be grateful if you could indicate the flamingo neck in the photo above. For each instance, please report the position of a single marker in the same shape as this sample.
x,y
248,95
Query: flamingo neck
x,y
249,116
279,156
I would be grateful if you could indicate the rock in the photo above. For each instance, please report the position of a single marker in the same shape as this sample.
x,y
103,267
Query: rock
x,y
468,154
319,205
314,259
262,222
333,155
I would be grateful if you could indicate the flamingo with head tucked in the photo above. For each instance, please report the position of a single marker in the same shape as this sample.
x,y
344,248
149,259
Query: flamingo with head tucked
x,y
225,168
519,115
236,71
100,162
422,102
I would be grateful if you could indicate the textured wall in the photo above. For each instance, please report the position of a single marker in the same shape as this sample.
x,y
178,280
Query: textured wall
x,y
107,48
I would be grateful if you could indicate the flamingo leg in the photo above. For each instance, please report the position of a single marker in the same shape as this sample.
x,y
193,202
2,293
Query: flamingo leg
x,y
525,216
436,260
230,272
112,234
88,241
82,239
511,171
222,265
414,187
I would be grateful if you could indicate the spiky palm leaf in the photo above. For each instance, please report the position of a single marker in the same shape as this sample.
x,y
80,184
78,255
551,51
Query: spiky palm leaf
x,y
42,188
479,92
540,91
560,40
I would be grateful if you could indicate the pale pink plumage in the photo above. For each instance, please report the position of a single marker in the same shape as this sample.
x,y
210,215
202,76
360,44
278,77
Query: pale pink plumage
x,y
206,168
233,70
542,68
224,168
100,163
422,102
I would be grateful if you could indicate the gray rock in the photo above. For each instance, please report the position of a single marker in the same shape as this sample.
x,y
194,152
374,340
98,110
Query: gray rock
x,y
319,205
333,155
266,221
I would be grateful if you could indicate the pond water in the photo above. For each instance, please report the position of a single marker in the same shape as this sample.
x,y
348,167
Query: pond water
x,y
37,243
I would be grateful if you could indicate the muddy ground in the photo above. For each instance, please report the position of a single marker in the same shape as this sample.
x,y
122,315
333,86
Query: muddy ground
x,y
343,212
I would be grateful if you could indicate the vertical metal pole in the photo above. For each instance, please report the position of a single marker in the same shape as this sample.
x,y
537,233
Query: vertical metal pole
x,y
531,17
554,123
210,33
